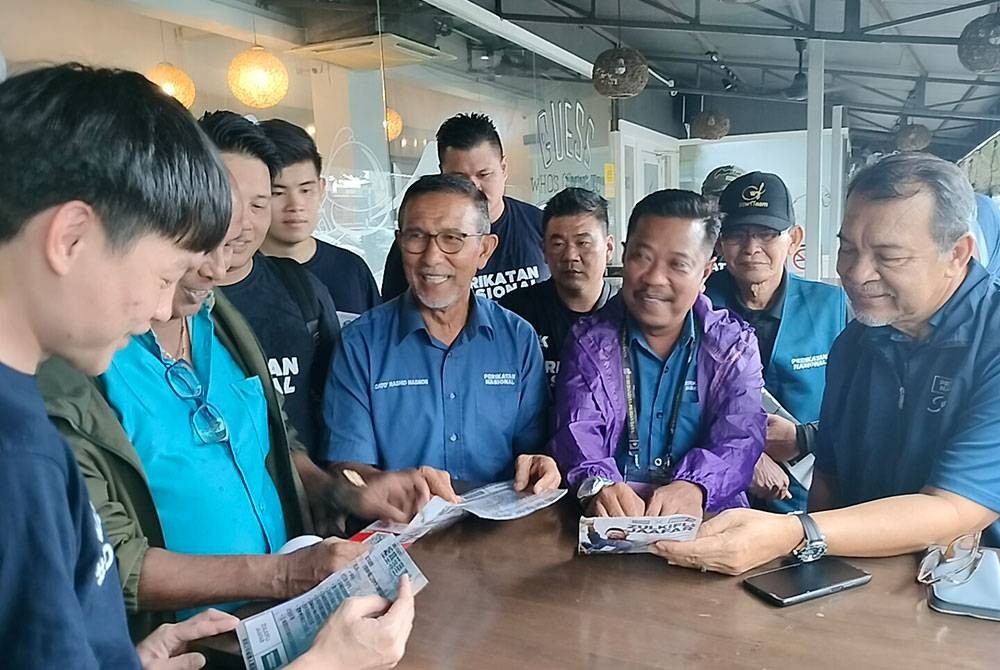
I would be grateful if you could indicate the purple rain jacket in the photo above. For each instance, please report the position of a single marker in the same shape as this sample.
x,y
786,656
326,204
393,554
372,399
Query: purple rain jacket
x,y
590,405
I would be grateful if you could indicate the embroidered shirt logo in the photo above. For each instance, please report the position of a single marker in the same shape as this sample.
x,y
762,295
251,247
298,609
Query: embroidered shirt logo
x,y
940,388
806,362
500,378
107,557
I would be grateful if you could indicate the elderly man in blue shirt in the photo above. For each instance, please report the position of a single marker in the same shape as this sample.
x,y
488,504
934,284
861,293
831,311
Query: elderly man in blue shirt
x,y
439,378
908,453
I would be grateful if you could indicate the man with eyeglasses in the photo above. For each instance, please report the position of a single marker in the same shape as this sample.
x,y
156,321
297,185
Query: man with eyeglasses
x,y
658,396
796,322
908,453
440,377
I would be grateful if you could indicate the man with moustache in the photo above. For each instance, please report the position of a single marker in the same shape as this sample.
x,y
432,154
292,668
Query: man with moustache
x,y
440,378
658,407
577,249
908,453
796,322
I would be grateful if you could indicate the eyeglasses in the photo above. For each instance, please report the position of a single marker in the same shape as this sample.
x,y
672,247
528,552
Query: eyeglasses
x,y
744,235
207,422
954,563
448,241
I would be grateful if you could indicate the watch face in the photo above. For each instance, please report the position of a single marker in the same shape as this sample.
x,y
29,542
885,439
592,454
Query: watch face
x,y
812,551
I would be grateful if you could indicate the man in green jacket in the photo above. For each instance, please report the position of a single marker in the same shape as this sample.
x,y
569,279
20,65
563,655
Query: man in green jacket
x,y
121,459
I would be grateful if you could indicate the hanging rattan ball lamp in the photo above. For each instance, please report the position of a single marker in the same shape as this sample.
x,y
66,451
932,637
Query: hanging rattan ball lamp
x,y
979,44
258,78
710,125
174,81
913,137
620,73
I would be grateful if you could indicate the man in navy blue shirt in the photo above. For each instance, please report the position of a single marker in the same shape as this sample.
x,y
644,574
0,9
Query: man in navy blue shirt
x,y
469,145
109,193
908,453
440,378
297,193
88,258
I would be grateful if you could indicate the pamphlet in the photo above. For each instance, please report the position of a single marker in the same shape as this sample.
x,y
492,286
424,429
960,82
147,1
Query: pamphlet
x,y
496,502
633,534
276,637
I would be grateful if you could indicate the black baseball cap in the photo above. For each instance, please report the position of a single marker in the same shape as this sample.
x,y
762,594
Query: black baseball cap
x,y
757,199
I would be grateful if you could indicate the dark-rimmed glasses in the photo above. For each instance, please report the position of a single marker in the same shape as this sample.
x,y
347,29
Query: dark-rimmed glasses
x,y
448,241
207,422
954,563
744,235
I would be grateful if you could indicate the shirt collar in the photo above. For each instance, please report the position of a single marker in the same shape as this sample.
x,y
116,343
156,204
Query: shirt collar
x,y
411,320
636,337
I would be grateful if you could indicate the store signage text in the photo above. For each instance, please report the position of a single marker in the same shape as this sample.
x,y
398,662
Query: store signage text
x,y
565,132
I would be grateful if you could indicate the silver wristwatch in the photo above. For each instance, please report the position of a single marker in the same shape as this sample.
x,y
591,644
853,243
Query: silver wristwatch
x,y
815,546
591,486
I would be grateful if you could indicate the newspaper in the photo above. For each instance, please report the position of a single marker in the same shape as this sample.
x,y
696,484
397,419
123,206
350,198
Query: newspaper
x,y
496,502
633,534
276,637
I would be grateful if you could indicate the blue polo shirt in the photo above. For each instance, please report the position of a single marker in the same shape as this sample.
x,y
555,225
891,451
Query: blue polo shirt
x,y
210,498
399,398
657,384
899,415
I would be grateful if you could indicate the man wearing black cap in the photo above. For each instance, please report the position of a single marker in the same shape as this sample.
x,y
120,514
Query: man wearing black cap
x,y
796,322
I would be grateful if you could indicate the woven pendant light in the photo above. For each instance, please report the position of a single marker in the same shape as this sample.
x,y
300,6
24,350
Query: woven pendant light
x,y
258,78
620,73
979,44
393,124
174,81
913,137
709,125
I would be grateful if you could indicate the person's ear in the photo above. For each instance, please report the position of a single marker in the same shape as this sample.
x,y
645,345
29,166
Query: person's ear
x,y
486,248
67,232
961,253
796,234
503,168
610,244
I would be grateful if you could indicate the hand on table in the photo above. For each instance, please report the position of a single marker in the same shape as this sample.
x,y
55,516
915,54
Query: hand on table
x,y
769,481
677,497
540,472
166,648
735,541
365,633
616,500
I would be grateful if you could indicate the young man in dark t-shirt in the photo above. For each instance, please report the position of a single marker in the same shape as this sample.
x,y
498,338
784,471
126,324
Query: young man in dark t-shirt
x,y
87,258
577,249
289,310
469,145
297,193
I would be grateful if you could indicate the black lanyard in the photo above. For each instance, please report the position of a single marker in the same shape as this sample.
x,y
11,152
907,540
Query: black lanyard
x,y
633,413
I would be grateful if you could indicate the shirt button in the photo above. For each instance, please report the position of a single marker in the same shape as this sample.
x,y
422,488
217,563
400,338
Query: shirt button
x,y
658,462
451,396
659,415
452,437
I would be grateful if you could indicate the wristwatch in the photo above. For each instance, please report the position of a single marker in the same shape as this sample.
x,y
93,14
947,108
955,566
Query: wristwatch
x,y
590,487
815,543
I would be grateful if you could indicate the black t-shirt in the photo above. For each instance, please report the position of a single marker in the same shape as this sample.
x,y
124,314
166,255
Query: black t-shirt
x,y
764,321
347,278
541,306
298,360
517,262
60,596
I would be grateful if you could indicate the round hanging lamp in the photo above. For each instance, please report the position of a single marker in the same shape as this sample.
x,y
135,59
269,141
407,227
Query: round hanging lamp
x,y
174,81
620,73
393,124
979,44
913,137
709,125
258,78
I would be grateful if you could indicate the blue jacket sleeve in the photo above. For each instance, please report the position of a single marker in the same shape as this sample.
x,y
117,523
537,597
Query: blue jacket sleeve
x,y
347,405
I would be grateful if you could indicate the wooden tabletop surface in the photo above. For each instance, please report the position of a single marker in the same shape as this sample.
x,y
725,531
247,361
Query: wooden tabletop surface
x,y
516,595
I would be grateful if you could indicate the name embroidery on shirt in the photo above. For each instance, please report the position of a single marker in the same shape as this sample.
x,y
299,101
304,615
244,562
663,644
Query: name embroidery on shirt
x,y
807,362
940,388
107,557
395,383
500,378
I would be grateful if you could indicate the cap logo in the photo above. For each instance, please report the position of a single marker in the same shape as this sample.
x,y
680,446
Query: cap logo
x,y
752,196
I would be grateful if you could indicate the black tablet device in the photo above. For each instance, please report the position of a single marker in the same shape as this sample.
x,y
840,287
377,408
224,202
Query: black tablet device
x,y
804,581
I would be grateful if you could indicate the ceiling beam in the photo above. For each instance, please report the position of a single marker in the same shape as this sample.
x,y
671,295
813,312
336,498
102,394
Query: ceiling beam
x,y
926,15
874,74
640,24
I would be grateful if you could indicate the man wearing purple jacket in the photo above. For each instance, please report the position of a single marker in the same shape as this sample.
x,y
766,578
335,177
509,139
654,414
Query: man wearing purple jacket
x,y
658,401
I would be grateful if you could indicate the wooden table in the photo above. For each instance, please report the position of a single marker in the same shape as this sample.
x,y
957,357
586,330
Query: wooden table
x,y
515,595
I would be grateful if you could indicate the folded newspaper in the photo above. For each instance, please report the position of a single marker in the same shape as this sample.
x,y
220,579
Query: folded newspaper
x,y
276,637
633,534
496,502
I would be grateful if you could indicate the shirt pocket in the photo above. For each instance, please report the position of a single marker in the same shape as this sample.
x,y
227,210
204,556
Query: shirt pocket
x,y
245,410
